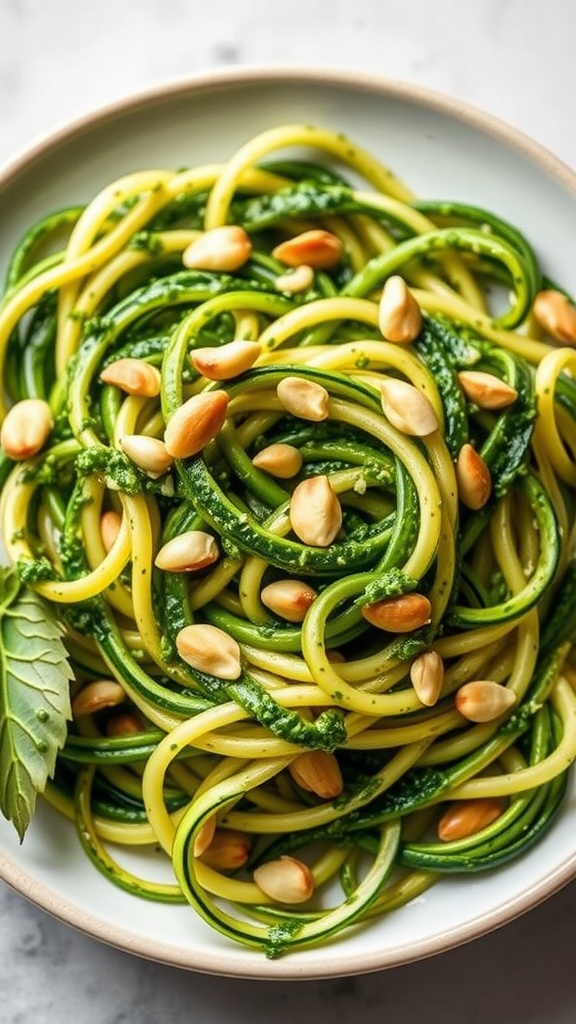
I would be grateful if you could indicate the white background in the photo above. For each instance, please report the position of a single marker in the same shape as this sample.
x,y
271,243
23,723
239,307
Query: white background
x,y
513,58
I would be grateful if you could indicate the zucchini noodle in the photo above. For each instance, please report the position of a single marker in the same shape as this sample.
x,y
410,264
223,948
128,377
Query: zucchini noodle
x,y
341,747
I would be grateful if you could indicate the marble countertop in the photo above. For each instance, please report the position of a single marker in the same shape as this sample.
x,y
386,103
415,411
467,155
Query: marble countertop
x,y
513,58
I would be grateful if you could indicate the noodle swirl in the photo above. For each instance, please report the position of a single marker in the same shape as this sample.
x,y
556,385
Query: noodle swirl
x,y
204,751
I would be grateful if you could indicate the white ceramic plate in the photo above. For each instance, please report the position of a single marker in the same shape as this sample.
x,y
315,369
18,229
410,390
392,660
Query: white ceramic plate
x,y
443,149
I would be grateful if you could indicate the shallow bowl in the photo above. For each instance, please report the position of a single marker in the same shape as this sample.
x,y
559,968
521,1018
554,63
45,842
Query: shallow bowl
x,y
443,149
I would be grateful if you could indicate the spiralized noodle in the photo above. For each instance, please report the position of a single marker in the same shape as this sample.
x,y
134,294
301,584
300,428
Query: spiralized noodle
x,y
186,750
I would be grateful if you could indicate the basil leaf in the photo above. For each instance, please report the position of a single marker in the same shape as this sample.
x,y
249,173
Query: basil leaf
x,y
34,698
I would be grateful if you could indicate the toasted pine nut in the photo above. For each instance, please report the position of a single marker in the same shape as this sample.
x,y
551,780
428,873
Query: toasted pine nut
x,y
315,512
110,522
224,362
399,614
557,315
319,249
399,316
26,428
290,599
96,696
486,390
149,453
484,700
281,460
464,818
125,723
133,376
304,398
209,649
318,771
407,408
473,478
299,280
225,248
228,850
204,836
195,423
427,676
286,880
188,552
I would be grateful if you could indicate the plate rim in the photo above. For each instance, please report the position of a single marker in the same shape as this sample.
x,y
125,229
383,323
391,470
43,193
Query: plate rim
x,y
214,79
235,964
306,967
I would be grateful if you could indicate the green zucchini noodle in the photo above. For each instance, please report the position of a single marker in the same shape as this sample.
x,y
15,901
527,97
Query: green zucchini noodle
x,y
321,761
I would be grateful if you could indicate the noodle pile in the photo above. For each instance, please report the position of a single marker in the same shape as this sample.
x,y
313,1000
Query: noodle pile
x,y
417,671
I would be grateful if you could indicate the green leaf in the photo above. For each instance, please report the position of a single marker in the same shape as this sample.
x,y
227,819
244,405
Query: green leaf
x,y
34,698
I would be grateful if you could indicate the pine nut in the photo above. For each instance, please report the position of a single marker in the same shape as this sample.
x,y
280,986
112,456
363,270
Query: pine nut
x,y
315,512
407,409
96,696
290,599
133,376
464,818
318,249
473,478
26,428
484,700
195,423
281,460
286,880
110,523
149,453
226,361
228,850
486,390
299,280
304,398
399,316
427,677
399,614
204,836
557,315
209,649
225,248
318,771
124,724
188,552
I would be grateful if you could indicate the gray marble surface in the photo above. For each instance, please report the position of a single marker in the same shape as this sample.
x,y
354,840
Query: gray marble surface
x,y
514,58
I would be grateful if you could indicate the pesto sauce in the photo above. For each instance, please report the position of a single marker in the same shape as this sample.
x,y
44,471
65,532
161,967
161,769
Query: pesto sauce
x,y
36,570
114,465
